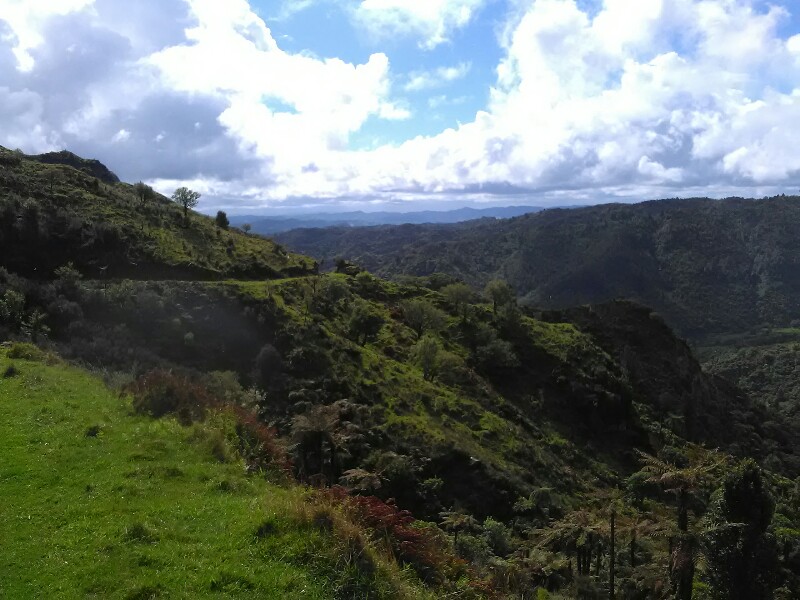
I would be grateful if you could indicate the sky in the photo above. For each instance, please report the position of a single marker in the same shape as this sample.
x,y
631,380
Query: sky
x,y
325,105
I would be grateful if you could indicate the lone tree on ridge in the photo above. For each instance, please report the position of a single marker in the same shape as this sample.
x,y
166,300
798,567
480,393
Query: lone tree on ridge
x,y
187,199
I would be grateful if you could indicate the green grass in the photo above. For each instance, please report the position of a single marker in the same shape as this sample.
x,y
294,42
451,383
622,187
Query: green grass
x,y
98,503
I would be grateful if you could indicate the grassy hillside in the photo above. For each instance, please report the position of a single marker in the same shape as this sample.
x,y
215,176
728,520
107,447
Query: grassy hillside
x,y
96,502
53,212
708,266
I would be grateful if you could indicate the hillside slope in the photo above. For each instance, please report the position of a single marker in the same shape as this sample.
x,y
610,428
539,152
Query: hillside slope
x,y
708,266
52,211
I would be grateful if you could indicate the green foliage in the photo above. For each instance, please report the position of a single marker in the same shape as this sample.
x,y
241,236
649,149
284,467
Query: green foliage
x,y
459,295
12,309
426,353
364,323
269,367
742,557
187,199
421,316
221,220
25,351
144,192
161,393
500,294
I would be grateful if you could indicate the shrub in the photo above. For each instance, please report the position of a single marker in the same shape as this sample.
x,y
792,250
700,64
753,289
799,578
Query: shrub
x,y
221,220
258,443
10,371
159,393
421,546
26,351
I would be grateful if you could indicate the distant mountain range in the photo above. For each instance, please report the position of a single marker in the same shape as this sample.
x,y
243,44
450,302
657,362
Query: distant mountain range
x,y
268,225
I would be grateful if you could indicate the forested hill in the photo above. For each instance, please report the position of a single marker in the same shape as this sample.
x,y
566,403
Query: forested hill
x,y
708,266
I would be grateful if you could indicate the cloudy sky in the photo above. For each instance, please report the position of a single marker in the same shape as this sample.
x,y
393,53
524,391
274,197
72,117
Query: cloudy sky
x,y
412,103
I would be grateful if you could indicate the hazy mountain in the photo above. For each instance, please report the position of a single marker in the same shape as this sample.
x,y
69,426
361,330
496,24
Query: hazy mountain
x,y
276,224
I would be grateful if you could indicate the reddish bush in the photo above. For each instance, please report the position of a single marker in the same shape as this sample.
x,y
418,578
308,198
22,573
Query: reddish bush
x,y
258,443
159,393
410,542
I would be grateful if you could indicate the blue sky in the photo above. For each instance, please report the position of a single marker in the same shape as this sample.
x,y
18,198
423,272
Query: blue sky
x,y
280,105
326,30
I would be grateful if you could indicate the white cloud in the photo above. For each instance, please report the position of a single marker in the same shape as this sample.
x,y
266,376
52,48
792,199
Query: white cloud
x,y
665,95
433,21
633,100
425,80
25,17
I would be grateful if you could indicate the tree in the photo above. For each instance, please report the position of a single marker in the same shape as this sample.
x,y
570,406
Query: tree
x,y
426,354
221,220
742,557
422,316
187,199
683,481
317,442
456,521
500,293
364,323
143,192
268,367
246,228
459,295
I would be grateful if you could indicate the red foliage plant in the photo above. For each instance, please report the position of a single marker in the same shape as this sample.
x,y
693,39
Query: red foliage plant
x,y
410,542
258,442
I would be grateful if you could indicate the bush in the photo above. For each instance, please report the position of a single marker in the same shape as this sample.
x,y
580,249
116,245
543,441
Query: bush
x,y
258,443
10,371
160,393
26,351
221,220
420,546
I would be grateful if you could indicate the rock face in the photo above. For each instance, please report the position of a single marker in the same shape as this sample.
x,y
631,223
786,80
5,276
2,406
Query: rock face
x,y
90,166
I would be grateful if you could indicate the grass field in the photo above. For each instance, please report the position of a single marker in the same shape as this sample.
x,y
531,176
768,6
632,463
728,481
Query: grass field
x,y
98,503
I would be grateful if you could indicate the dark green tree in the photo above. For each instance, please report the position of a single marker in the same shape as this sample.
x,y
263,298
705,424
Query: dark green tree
x,y
426,354
221,220
143,192
317,443
364,323
186,199
741,555
421,316
684,480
